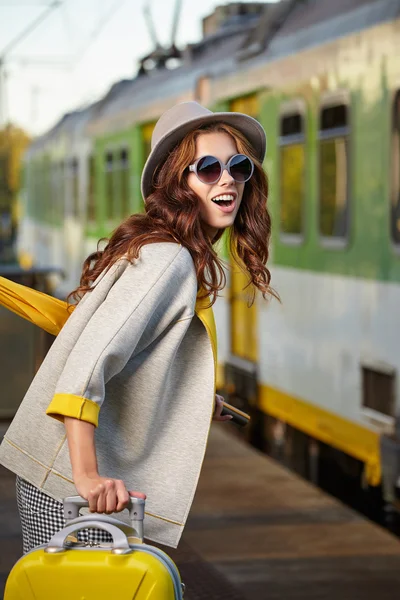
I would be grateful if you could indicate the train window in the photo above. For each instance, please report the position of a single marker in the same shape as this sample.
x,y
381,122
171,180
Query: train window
x,y
333,171
292,164
57,188
110,188
292,125
379,390
37,193
40,202
395,191
40,192
48,204
74,187
53,191
125,192
62,187
334,117
91,202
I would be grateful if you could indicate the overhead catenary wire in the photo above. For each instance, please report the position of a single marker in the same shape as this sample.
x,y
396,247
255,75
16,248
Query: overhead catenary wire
x,y
104,20
71,62
68,62
20,4
150,24
10,46
29,29
175,21
67,22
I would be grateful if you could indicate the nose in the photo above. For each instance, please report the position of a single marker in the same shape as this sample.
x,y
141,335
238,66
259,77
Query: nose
x,y
226,177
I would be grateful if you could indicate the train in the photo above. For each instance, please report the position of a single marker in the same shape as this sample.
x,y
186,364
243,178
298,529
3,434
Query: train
x,y
318,372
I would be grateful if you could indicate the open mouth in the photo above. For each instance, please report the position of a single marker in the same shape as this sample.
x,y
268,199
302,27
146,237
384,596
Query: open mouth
x,y
224,200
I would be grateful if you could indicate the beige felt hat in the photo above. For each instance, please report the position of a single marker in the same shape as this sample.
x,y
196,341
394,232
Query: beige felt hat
x,y
182,118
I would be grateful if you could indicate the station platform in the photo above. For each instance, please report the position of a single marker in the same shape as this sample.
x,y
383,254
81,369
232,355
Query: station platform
x,y
257,531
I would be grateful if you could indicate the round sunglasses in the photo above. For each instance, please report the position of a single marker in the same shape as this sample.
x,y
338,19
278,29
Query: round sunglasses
x,y
209,169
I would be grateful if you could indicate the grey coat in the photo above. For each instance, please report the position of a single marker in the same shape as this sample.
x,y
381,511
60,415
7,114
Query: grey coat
x,y
136,360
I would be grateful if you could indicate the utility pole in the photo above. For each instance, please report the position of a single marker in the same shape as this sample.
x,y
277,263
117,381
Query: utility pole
x,y
3,55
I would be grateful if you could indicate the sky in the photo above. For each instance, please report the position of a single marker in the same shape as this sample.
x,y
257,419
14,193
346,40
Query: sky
x,y
79,50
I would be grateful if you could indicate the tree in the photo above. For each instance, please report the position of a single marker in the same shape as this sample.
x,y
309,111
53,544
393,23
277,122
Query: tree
x,y
13,142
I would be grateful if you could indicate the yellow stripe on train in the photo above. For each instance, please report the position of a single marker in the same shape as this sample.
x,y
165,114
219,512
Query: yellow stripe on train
x,y
351,438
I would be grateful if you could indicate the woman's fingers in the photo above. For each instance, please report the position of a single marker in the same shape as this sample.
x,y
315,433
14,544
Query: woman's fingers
x,y
110,496
223,418
219,405
137,495
101,498
96,498
122,496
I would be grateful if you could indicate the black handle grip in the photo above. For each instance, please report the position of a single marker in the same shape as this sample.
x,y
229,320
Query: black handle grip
x,y
238,417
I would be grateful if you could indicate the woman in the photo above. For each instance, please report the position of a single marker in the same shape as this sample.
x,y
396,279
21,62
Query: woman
x,y
124,399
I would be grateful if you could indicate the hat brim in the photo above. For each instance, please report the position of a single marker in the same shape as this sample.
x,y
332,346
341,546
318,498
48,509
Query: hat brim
x,y
249,127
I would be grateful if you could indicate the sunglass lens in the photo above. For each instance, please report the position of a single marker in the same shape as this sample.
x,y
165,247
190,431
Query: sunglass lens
x,y
241,168
208,169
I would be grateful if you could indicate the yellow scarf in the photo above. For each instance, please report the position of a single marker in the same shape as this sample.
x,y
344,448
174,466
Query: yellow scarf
x,y
51,314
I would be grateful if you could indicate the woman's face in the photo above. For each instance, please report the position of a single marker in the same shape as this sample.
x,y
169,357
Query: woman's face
x,y
216,216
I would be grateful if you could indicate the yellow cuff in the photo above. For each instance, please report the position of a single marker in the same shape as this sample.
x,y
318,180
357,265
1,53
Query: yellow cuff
x,y
69,405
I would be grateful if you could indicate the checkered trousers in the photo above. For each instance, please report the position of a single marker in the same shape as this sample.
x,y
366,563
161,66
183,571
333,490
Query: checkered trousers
x,y
42,516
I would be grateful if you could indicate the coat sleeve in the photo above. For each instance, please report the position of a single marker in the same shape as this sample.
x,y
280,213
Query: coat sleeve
x,y
106,343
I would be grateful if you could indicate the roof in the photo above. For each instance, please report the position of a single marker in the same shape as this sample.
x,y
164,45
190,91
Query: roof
x,y
296,25
309,23
317,22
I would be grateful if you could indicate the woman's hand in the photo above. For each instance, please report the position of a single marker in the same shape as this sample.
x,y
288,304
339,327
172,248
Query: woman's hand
x,y
105,495
218,409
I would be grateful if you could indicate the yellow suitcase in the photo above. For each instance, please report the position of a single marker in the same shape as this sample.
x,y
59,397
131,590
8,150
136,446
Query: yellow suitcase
x,y
64,569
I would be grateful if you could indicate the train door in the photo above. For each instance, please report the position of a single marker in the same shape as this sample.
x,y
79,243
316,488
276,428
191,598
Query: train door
x,y
241,367
147,132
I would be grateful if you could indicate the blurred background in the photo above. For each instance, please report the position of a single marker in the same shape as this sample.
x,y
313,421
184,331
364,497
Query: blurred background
x,y
81,87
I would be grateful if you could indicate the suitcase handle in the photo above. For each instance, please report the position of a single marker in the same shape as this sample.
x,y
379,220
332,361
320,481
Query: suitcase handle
x,y
73,504
120,541
134,533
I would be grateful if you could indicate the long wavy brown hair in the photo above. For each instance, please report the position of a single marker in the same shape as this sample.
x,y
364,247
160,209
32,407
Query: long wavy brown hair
x,y
172,214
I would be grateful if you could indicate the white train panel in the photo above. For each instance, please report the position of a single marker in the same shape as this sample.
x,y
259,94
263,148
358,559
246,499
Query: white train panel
x,y
314,345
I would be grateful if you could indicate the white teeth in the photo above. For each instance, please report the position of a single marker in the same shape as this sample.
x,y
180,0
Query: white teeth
x,y
224,197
